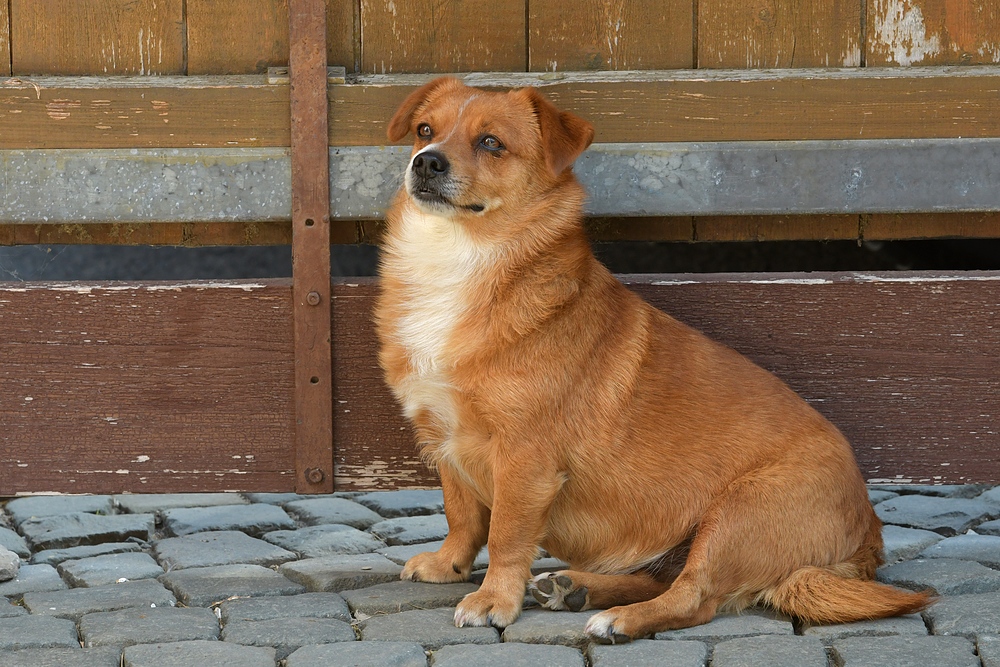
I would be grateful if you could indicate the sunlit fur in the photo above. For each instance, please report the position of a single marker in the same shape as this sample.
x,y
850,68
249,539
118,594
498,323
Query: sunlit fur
x,y
675,476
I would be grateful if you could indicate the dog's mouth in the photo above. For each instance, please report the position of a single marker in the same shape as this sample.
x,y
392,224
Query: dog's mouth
x,y
434,197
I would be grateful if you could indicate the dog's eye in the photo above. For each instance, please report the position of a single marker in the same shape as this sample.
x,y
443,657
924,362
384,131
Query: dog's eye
x,y
424,131
491,143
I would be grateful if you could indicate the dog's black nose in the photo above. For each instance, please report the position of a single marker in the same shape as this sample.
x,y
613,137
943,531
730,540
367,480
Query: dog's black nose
x,y
430,164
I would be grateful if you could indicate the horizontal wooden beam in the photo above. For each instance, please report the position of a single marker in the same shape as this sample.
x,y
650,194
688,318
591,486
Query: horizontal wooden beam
x,y
188,387
622,180
650,106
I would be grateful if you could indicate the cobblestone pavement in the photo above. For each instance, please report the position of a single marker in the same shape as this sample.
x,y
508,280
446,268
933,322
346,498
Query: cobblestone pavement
x,y
261,579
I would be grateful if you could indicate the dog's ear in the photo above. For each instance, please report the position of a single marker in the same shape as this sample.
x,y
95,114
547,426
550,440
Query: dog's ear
x,y
564,135
399,126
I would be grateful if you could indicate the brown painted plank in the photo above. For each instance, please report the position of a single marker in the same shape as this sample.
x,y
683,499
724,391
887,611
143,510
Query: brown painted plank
x,y
155,234
779,33
931,226
933,32
610,35
97,37
432,36
245,111
195,376
146,388
4,39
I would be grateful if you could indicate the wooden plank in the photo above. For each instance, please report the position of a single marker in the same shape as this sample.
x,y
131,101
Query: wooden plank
x,y
146,387
932,32
228,37
887,226
97,37
776,227
610,35
311,248
432,36
343,34
199,377
186,234
4,39
779,33
904,364
245,111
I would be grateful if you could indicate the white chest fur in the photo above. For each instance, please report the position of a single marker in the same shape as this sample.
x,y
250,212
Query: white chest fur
x,y
438,262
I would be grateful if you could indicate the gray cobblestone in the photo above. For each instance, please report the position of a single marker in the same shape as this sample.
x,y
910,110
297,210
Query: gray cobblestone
x,y
202,586
947,576
412,529
318,511
936,490
403,503
10,563
905,543
989,528
22,509
56,556
21,632
76,602
644,652
71,530
984,549
197,652
396,596
884,627
988,647
306,605
431,628
109,569
288,634
360,654
274,498
105,656
507,655
218,547
404,552
126,627
11,540
966,615
905,651
541,626
730,626
771,651
153,503
947,516
341,573
32,578
325,540
253,519
8,609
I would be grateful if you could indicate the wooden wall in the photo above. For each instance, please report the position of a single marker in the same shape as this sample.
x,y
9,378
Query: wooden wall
x,y
381,36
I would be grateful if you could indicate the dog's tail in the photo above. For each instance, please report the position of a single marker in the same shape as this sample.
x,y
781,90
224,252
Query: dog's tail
x,y
820,595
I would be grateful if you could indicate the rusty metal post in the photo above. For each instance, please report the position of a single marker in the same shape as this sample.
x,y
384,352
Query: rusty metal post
x,y
311,247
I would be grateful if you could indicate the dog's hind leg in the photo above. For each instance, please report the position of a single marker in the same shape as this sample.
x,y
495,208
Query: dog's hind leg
x,y
577,591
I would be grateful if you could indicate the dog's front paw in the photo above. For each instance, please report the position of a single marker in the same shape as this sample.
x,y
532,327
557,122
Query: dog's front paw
x,y
432,567
609,627
555,590
484,608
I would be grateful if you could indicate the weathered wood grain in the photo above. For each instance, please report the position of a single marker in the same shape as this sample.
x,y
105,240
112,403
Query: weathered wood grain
x,y
198,378
4,39
779,33
885,226
610,35
776,227
932,32
432,36
245,111
97,37
191,234
156,387
228,37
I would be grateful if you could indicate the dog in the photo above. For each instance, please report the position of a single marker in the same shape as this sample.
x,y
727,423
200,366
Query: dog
x,y
675,477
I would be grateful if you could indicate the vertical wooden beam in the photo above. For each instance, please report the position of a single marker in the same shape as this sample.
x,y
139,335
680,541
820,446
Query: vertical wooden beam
x,y
4,39
311,247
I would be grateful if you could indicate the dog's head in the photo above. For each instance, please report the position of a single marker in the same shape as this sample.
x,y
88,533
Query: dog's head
x,y
477,152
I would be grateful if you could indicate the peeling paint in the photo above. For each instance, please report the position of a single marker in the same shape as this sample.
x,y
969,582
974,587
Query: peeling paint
x,y
900,28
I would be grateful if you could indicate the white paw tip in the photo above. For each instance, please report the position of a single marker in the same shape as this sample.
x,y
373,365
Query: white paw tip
x,y
600,625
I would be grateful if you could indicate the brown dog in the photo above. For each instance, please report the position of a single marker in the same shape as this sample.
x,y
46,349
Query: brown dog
x,y
675,476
